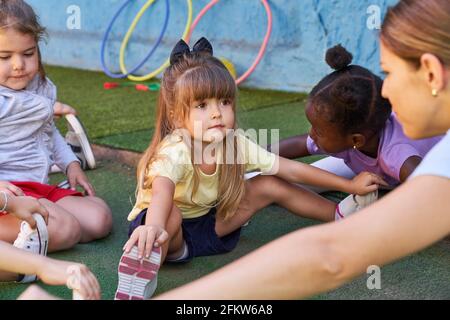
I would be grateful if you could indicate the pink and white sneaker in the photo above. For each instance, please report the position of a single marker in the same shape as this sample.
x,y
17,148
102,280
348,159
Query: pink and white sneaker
x,y
138,278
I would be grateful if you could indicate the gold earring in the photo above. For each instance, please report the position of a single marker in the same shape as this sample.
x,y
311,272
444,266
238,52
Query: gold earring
x,y
434,92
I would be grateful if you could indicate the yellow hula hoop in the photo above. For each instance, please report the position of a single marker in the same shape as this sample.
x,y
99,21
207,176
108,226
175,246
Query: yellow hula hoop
x,y
130,32
124,44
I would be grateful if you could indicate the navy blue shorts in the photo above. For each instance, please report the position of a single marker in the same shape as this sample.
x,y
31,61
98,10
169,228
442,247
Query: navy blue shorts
x,y
199,234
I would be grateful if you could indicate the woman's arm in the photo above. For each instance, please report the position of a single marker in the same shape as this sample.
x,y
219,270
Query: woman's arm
x,y
321,258
297,172
293,147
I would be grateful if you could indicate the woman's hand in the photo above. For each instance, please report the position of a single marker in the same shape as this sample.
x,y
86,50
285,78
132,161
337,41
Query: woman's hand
x,y
146,236
366,182
76,177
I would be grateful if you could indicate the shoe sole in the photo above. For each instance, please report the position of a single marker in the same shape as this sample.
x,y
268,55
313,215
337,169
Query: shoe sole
x,y
135,275
78,128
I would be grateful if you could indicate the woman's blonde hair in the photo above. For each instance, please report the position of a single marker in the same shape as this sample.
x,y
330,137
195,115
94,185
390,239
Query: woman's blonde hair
x,y
414,27
195,77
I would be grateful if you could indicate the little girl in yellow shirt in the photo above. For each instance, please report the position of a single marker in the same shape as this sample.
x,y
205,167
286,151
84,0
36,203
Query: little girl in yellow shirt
x,y
192,198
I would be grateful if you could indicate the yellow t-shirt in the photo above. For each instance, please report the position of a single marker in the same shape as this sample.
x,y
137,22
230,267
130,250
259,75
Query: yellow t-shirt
x,y
174,162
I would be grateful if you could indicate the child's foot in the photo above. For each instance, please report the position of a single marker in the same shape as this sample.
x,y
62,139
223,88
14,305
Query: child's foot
x,y
138,279
353,203
77,139
32,240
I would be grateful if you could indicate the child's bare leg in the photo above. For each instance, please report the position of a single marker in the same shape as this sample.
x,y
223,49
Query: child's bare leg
x,y
8,276
92,213
35,292
9,228
262,191
63,229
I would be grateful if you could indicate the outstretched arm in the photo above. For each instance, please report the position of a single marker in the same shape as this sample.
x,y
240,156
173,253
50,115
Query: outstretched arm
x,y
321,258
292,147
297,172
154,231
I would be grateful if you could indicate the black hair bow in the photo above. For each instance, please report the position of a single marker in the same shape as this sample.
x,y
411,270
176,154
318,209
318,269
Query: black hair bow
x,y
182,48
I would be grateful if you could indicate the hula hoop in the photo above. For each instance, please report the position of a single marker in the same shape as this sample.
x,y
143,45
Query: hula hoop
x,y
108,31
166,63
263,47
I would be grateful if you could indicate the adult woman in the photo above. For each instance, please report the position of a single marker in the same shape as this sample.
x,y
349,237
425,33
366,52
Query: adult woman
x,y
415,53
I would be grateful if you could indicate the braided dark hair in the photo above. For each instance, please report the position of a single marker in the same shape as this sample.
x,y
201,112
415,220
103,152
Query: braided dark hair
x,y
350,97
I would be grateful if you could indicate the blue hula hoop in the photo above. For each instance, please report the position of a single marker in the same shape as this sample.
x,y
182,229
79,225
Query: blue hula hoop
x,y
108,31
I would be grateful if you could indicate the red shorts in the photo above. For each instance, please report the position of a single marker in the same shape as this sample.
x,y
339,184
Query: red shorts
x,y
43,191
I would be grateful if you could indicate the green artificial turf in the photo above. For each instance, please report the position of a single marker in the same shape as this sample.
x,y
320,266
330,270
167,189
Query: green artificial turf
x,y
421,276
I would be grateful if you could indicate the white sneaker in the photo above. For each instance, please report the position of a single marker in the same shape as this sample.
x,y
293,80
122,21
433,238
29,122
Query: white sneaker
x,y
32,240
55,169
354,203
78,140
138,278
64,185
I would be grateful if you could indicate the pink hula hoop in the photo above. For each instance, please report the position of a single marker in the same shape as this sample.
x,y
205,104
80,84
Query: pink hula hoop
x,y
263,47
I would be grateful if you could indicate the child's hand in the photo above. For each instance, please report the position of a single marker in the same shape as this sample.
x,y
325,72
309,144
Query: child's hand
x,y
146,236
24,207
10,189
61,109
366,182
76,276
76,177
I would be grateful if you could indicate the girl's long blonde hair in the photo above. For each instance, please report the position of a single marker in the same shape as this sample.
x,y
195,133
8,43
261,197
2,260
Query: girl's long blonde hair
x,y
195,77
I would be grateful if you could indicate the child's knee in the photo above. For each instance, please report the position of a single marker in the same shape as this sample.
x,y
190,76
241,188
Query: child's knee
x,y
64,232
102,221
266,186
